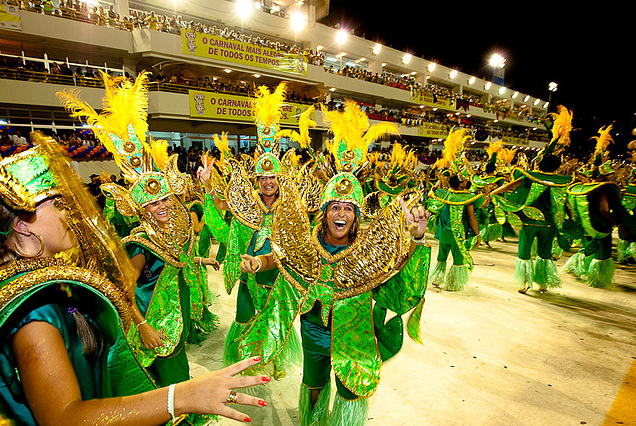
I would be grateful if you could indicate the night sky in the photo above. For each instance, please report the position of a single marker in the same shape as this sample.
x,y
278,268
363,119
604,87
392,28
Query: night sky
x,y
588,52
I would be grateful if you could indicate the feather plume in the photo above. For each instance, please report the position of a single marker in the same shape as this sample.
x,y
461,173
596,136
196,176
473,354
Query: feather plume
x,y
352,126
494,147
159,152
453,148
603,140
125,103
266,105
562,125
222,145
304,123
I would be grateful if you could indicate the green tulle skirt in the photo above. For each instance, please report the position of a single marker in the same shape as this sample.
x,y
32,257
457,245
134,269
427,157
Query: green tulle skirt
x,y
545,273
438,274
524,272
318,415
457,278
600,274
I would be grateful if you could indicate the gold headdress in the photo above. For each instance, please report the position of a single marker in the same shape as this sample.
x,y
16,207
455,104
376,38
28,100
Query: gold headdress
x,y
267,113
150,173
453,158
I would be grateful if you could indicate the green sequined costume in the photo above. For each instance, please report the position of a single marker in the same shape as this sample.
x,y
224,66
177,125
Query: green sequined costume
x,y
537,208
455,236
343,311
50,294
594,263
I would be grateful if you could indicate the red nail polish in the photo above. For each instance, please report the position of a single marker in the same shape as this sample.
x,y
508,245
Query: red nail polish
x,y
266,378
257,358
248,420
262,403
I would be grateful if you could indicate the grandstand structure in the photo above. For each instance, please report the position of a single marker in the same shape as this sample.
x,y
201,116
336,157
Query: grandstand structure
x,y
205,58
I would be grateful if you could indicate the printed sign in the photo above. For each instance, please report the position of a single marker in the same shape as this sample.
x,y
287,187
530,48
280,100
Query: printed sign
x,y
430,99
432,130
221,106
9,17
238,52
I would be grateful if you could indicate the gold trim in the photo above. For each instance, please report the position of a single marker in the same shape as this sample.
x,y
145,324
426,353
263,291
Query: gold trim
x,y
58,272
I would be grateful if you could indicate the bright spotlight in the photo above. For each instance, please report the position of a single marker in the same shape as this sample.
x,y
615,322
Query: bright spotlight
x,y
452,74
431,66
552,87
297,21
377,48
244,8
497,61
341,37
472,80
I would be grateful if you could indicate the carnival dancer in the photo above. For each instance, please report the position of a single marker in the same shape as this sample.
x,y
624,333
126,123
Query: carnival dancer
x,y
494,175
597,207
167,305
341,281
254,211
536,205
65,288
454,207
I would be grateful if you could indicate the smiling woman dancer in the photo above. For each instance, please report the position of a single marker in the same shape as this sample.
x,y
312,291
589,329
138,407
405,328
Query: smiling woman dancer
x,y
167,304
63,317
341,281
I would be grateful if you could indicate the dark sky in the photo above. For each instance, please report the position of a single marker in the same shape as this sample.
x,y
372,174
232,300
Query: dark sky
x,y
590,53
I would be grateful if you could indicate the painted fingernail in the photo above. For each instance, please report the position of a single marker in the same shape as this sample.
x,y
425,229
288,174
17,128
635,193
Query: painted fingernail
x,y
248,420
257,358
262,403
266,378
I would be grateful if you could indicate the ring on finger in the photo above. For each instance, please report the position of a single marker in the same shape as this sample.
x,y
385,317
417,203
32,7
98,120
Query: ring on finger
x,y
232,398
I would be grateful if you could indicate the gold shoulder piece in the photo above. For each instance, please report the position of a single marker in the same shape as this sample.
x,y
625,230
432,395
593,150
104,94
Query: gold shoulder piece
x,y
310,187
242,199
291,236
376,255
68,273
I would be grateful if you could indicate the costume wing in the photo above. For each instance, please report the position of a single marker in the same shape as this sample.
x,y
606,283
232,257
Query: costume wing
x,y
241,198
377,254
293,250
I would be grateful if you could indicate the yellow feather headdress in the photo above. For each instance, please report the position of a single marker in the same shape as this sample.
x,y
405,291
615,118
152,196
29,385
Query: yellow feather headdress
x,y
452,155
353,134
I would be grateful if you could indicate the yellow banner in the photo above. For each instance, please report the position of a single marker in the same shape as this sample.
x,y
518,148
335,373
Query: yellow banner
x,y
238,52
426,98
509,140
9,17
220,106
432,130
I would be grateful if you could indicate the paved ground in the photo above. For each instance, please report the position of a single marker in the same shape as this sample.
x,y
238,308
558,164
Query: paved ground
x,y
491,356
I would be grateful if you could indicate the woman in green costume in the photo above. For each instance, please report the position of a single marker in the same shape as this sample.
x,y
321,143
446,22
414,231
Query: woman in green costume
x,y
170,299
252,210
65,309
342,282
597,208
457,229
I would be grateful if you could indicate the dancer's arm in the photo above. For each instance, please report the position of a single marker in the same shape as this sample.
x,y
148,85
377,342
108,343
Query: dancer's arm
x,y
254,264
149,336
54,396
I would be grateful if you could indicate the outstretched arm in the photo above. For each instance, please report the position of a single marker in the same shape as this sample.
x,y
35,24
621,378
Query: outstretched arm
x,y
53,392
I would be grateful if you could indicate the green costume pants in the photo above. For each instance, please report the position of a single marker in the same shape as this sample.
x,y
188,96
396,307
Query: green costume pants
x,y
317,358
544,235
446,248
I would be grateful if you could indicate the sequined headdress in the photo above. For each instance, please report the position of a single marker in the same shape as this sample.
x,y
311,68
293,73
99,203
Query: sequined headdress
x,y
149,172
267,112
25,180
453,158
561,129
600,157
349,146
